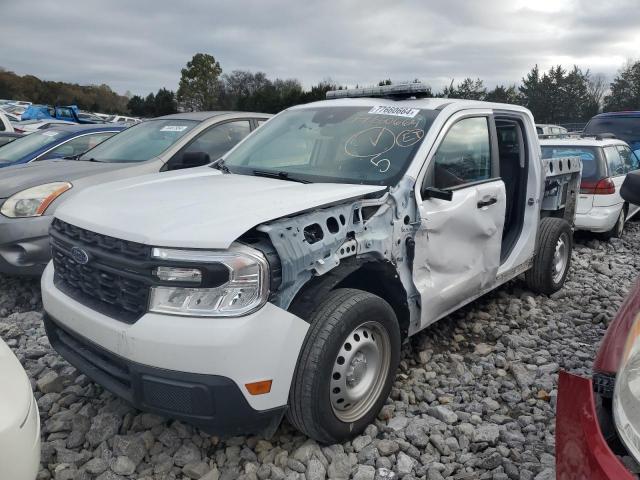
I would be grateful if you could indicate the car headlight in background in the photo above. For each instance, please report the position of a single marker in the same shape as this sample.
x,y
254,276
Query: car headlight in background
x,y
33,201
243,289
626,397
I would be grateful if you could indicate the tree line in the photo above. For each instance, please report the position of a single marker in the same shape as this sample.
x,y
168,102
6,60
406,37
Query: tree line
x,y
98,98
559,95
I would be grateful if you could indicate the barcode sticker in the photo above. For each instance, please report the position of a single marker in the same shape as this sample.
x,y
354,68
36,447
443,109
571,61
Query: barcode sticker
x,y
395,111
173,128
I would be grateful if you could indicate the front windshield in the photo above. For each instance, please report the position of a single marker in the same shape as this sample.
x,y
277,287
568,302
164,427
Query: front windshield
x,y
335,144
23,146
141,142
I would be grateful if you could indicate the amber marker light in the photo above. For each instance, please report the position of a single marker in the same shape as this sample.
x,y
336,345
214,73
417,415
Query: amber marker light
x,y
52,196
259,388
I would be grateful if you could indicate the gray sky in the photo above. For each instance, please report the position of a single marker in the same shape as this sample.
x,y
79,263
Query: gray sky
x,y
141,45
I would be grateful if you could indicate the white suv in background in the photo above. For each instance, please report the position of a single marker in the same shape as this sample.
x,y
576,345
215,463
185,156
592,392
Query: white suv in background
x,y
122,119
605,164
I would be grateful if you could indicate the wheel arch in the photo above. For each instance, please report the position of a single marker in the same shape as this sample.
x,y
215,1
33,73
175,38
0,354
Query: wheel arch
x,y
376,277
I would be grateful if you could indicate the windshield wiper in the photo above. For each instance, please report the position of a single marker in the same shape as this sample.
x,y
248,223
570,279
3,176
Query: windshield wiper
x,y
279,175
219,164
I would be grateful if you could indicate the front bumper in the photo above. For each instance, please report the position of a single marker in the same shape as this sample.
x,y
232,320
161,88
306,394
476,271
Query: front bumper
x,y
598,219
581,449
24,245
20,447
213,357
211,402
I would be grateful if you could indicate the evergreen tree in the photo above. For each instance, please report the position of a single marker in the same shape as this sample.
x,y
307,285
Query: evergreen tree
x,y
468,89
136,106
165,103
199,87
502,94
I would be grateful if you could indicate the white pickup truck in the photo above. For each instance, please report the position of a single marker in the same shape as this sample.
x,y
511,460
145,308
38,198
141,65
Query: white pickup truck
x,y
283,278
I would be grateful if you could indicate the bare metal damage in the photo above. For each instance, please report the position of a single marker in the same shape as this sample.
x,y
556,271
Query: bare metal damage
x,y
381,236
393,221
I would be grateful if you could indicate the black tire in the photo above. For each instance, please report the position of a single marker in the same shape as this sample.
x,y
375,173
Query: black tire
x,y
332,322
542,277
618,228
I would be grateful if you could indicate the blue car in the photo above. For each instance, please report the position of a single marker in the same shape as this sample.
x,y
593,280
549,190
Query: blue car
x,y
624,125
55,142
70,113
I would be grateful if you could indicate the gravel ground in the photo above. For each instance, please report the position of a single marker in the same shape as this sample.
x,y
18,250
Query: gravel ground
x,y
474,399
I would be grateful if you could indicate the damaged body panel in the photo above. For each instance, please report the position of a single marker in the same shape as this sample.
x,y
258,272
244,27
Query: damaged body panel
x,y
369,230
458,248
445,253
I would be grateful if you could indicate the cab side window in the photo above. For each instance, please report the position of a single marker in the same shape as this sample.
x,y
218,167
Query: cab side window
x,y
464,156
615,163
219,139
629,158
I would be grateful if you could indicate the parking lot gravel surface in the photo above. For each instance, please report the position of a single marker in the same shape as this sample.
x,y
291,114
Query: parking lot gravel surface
x,y
474,398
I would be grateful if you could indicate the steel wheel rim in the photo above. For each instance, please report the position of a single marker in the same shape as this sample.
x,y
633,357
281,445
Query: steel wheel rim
x,y
560,258
359,372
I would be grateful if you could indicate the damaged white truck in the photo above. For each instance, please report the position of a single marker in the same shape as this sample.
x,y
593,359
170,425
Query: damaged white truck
x,y
283,278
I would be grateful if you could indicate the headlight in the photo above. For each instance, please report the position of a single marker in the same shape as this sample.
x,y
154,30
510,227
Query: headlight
x,y
626,397
33,201
244,289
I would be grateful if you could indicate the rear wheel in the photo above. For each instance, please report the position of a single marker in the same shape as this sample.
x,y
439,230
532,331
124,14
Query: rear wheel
x,y
346,367
618,228
553,258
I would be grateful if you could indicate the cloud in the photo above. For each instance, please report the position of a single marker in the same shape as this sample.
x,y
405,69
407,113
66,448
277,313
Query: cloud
x,y
141,46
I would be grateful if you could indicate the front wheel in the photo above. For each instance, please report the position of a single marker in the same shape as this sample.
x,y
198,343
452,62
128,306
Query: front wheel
x,y
346,367
553,257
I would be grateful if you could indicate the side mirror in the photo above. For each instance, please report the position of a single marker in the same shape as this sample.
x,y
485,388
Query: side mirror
x,y
630,190
433,192
188,160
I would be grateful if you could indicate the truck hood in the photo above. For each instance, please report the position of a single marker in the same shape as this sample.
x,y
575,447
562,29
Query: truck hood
x,y
19,177
197,208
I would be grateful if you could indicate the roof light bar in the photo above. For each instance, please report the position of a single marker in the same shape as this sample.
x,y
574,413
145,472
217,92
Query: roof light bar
x,y
399,90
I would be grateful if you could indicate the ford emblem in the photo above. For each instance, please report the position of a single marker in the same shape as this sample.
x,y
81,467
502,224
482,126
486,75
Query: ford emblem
x,y
79,255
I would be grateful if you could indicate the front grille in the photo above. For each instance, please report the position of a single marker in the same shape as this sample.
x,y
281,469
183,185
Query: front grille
x,y
114,280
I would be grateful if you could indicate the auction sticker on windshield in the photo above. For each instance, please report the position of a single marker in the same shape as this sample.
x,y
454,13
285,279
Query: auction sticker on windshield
x,y
396,111
49,134
173,128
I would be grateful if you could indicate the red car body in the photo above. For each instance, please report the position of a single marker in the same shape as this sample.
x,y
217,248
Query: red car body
x,y
582,452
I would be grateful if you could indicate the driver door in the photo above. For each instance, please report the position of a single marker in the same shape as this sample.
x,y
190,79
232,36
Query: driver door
x,y
457,249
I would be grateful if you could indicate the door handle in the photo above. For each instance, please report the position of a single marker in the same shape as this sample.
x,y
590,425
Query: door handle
x,y
486,203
